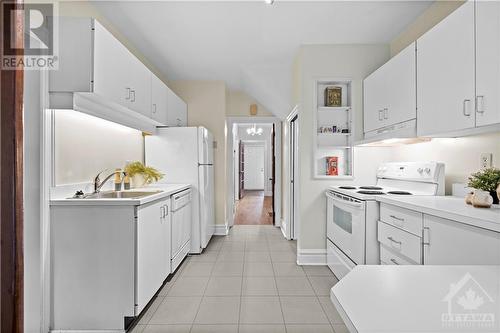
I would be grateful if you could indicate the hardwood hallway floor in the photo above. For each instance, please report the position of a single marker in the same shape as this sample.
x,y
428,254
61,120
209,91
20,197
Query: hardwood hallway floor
x,y
254,209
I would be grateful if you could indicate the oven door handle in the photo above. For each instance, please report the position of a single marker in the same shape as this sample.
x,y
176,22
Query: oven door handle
x,y
344,202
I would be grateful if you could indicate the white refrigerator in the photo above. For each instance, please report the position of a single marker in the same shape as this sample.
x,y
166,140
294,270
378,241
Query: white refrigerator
x,y
185,155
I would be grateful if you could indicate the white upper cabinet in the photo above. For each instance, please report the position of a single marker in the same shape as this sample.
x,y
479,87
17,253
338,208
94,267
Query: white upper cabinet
x,y
445,74
176,110
487,62
390,92
158,100
98,75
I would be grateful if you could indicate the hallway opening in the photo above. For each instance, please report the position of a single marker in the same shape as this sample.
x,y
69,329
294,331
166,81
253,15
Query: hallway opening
x,y
254,208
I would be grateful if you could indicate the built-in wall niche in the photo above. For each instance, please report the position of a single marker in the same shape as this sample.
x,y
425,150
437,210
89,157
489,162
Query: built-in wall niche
x,y
333,128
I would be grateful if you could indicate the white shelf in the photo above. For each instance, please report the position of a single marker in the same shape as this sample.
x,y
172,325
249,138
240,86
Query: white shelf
x,y
328,144
333,108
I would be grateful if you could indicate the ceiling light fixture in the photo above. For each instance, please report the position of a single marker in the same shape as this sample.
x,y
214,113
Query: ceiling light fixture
x,y
269,2
254,130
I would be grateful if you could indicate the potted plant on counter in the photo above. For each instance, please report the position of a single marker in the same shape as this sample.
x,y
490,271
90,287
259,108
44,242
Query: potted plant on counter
x,y
486,180
141,175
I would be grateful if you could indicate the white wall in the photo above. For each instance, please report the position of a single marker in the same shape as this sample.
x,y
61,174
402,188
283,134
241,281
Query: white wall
x,y
332,61
85,145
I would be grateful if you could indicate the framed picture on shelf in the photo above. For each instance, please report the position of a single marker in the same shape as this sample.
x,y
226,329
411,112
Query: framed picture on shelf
x,y
332,166
333,96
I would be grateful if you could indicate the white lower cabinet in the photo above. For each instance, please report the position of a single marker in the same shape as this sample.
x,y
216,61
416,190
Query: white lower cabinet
x,y
448,242
153,245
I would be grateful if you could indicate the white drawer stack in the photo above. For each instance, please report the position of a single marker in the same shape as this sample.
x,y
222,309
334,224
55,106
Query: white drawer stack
x,y
400,236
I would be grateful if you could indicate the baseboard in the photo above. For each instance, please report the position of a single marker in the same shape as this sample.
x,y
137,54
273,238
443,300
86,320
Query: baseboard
x,y
311,257
221,230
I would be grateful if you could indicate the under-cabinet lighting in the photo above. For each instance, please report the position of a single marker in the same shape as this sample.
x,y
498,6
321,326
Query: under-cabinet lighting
x,y
395,142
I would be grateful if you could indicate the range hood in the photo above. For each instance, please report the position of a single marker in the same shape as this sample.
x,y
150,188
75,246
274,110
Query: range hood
x,y
397,134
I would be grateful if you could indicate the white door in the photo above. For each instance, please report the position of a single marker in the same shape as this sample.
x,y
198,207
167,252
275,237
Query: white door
x,y
254,167
110,67
151,254
390,92
140,82
487,62
445,74
158,100
176,110
450,243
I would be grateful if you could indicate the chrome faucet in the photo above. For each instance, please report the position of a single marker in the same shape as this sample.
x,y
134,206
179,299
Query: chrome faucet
x,y
98,184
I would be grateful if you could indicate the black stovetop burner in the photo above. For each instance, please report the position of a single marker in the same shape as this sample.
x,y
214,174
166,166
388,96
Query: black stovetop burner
x,y
347,187
370,187
371,192
399,192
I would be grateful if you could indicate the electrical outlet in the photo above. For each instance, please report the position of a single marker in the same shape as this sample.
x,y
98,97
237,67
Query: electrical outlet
x,y
486,159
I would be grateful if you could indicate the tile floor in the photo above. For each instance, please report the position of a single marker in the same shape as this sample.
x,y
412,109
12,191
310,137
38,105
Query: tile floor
x,y
245,282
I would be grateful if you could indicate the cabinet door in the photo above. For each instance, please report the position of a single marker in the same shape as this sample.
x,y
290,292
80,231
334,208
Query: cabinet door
x,y
158,100
140,82
487,62
453,243
176,110
400,84
151,254
445,74
111,66
374,101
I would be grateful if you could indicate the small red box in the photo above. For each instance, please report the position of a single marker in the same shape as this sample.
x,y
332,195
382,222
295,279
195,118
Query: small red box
x,y
332,166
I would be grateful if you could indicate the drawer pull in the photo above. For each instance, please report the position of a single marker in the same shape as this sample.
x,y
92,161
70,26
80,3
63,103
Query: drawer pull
x,y
394,241
397,218
394,261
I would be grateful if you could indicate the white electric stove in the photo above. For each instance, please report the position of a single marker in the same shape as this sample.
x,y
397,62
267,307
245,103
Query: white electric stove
x,y
352,211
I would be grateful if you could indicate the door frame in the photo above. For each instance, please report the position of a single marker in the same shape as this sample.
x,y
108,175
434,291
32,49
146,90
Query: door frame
x,y
12,173
230,193
290,225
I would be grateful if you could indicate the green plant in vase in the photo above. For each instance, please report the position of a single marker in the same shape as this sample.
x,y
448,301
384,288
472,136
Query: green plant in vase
x,y
142,175
486,180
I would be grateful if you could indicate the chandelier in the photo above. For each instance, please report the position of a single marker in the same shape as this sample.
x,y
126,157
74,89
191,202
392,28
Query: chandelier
x,y
254,130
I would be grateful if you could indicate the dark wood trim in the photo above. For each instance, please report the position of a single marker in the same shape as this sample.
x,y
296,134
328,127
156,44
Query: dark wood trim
x,y
11,191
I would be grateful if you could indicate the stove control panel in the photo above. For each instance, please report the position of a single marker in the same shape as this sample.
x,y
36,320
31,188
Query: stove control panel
x,y
414,171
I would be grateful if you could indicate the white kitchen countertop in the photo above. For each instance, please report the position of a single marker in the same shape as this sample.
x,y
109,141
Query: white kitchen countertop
x,y
414,298
166,190
448,207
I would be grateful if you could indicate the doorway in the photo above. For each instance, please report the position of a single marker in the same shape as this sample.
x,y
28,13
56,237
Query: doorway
x,y
254,172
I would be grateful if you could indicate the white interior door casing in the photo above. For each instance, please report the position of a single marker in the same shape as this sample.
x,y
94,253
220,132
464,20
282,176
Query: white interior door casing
x,y
445,74
487,62
254,167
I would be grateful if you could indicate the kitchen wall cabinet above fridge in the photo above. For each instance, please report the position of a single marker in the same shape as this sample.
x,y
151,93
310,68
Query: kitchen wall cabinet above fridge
x,y
100,76
458,73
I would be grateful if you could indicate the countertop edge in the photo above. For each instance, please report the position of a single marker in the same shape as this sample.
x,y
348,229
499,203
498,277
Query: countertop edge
x,y
473,221
168,190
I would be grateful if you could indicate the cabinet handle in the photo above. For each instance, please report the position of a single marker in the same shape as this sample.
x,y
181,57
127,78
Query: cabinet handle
x,y
162,211
178,122
166,210
397,218
154,108
464,107
127,93
426,232
386,113
480,104
380,115
394,241
133,95
394,261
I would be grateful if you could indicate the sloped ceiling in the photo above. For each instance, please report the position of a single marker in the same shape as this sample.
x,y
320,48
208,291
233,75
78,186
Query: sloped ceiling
x,y
248,44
